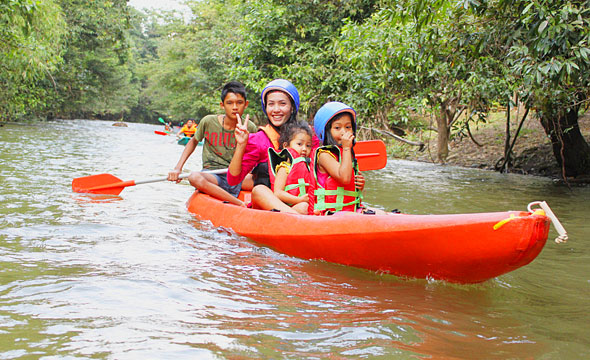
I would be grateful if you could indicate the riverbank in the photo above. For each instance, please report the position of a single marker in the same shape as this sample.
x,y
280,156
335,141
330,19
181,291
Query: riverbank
x,y
532,151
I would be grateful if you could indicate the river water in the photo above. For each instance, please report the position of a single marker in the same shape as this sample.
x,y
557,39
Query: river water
x,y
136,276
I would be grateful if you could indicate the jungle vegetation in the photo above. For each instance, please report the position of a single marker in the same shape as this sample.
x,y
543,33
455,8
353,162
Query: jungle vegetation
x,y
392,60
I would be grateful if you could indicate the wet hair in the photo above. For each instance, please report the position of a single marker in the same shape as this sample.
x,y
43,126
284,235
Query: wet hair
x,y
290,130
292,118
235,87
328,139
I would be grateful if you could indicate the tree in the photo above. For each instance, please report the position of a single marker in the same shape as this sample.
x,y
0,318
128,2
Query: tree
x,y
546,44
30,48
422,55
94,78
292,39
193,60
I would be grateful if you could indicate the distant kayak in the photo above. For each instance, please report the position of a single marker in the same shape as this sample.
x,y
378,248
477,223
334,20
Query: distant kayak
x,y
460,248
184,140
162,132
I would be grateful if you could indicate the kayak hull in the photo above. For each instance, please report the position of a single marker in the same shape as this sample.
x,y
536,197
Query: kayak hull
x,y
460,248
184,140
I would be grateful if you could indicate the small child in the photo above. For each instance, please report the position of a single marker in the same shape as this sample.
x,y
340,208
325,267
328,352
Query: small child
x,y
289,169
337,182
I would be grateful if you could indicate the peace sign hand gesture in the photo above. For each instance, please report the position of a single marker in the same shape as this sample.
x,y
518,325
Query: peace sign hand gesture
x,y
241,132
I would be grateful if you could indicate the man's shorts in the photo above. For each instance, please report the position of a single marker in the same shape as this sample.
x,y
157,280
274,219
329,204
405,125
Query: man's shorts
x,y
222,182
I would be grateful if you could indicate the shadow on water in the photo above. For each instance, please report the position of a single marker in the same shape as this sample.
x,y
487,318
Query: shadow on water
x,y
316,309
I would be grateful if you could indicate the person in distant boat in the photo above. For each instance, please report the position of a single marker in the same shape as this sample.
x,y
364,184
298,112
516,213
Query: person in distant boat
x,y
168,127
219,146
280,103
336,185
188,129
290,167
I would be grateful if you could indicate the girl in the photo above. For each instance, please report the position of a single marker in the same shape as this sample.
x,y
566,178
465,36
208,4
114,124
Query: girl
x,y
289,170
280,103
337,183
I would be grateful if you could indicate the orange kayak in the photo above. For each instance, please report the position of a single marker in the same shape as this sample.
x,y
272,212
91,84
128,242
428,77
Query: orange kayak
x,y
460,248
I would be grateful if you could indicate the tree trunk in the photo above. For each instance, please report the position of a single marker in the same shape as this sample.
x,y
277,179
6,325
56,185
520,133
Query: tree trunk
x,y
442,138
448,109
571,150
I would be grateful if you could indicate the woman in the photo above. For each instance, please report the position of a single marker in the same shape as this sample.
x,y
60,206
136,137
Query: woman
x,y
280,103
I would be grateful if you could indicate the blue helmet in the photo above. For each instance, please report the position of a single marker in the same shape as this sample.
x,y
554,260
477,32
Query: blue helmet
x,y
284,86
327,112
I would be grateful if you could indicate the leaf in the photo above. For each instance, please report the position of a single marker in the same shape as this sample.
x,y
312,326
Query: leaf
x,y
542,26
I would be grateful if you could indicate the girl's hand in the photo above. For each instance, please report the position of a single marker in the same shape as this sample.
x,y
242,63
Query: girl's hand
x,y
347,139
304,198
241,131
359,181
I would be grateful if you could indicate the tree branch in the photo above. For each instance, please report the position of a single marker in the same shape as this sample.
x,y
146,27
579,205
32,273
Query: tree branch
x,y
398,138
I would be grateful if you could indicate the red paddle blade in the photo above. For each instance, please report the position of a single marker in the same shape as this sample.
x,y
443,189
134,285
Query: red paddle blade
x,y
370,154
160,132
99,184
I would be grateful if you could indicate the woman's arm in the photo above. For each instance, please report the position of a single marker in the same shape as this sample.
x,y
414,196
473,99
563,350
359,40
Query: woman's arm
x,y
246,155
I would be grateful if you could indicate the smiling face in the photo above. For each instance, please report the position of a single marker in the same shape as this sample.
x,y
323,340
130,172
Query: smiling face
x,y
301,143
234,104
341,126
278,108
189,123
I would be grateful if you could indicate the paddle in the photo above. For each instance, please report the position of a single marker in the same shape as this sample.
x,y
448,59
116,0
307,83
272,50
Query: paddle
x,y
160,132
162,121
370,154
112,185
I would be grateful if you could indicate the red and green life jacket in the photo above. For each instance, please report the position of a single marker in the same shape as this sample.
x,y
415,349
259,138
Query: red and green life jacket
x,y
333,196
261,171
299,178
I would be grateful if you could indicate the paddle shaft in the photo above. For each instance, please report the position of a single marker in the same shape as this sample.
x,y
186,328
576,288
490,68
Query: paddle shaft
x,y
123,184
371,155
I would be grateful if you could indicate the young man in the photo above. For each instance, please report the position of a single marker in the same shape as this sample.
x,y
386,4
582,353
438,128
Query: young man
x,y
219,147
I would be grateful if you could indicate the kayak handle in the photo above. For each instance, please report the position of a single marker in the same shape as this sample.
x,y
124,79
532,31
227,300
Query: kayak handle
x,y
554,220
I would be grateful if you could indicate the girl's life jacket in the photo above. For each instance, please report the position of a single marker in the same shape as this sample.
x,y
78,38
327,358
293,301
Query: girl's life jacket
x,y
298,169
326,195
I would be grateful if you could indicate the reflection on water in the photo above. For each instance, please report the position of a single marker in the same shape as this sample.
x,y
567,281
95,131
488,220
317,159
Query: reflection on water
x,y
135,275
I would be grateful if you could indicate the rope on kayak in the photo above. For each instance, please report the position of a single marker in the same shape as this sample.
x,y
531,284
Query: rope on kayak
x,y
501,223
547,211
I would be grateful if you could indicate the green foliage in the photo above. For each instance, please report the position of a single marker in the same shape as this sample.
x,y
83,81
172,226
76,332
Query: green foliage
x,y
30,47
549,46
421,57
292,39
94,77
185,77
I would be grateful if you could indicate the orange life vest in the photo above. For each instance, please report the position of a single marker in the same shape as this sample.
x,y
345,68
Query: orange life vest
x,y
272,135
189,131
